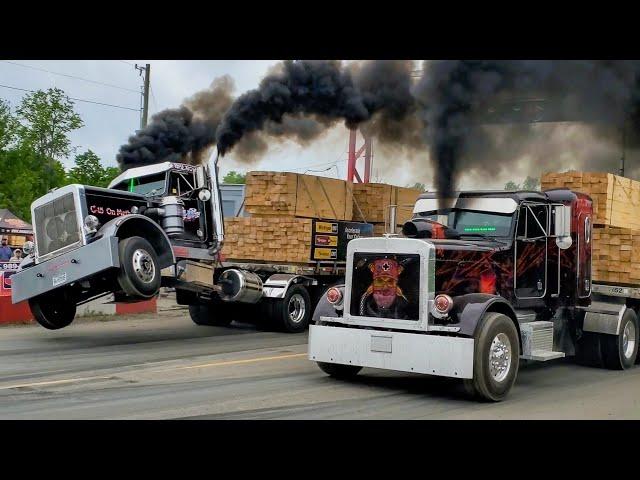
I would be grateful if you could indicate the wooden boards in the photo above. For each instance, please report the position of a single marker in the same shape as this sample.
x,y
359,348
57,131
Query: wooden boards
x,y
270,238
616,255
373,200
307,196
616,200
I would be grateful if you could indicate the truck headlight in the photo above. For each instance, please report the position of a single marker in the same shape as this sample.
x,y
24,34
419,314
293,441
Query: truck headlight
x,y
204,195
27,247
91,223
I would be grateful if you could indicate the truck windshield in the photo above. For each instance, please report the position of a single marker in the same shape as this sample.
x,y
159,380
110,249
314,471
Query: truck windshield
x,y
151,184
470,223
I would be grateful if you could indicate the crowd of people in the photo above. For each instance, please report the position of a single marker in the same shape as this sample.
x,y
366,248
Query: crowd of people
x,y
9,255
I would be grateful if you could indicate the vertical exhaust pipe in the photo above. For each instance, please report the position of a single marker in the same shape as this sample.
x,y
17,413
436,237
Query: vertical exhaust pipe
x,y
216,201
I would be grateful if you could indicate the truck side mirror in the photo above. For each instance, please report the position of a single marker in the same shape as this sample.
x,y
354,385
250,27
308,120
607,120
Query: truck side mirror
x,y
562,232
201,178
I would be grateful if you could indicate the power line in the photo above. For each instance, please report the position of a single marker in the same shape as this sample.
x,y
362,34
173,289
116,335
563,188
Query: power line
x,y
128,63
70,76
76,99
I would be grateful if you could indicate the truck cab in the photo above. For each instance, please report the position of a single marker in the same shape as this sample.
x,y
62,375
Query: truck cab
x,y
475,283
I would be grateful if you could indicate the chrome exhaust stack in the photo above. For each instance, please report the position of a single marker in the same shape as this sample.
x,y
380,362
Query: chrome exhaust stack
x,y
216,201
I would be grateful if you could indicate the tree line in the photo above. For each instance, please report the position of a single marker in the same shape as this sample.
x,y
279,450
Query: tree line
x,y
34,139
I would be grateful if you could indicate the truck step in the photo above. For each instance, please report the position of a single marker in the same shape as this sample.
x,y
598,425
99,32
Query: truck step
x,y
537,341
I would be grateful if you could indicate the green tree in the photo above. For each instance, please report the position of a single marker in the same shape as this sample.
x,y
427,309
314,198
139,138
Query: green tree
x,y
89,171
234,177
47,120
531,183
511,186
418,186
8,125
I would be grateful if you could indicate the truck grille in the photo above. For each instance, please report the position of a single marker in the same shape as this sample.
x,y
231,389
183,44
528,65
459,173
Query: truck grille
x,y
386,286
56,225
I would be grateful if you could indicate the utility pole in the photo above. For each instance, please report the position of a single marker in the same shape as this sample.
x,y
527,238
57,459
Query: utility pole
x,y
146,72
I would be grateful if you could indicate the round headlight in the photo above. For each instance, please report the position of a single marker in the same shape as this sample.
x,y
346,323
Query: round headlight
x,y
443,303
204,195
91,222
27,247
134,209
334,296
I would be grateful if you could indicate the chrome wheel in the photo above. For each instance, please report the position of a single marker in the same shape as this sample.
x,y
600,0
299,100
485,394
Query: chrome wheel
x,y
500,357
297,308
629,339
143,265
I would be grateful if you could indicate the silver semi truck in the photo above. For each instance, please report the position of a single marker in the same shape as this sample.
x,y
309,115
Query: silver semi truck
x,y
154,226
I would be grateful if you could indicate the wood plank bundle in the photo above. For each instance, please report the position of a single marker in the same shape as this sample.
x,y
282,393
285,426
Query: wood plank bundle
x,y
307,196
269,238
373,200
616,255
616,200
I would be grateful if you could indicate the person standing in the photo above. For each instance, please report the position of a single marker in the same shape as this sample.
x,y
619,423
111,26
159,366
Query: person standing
x,y
17,255
5,251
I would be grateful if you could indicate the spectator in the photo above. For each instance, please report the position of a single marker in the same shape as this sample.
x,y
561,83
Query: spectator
x,y
17,255
5,251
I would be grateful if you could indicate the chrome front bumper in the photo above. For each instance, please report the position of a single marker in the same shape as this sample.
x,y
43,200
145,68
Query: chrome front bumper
x,y
400,351
83,262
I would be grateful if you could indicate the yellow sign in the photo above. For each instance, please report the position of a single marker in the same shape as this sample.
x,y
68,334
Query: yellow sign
x,y
326,227
326,254
326,240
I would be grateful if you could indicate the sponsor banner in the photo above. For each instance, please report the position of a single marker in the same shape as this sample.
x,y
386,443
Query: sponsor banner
x,y
326,240
330,239
325,254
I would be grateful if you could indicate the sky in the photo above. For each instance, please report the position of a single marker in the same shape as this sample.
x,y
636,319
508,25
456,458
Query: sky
x,y
106,128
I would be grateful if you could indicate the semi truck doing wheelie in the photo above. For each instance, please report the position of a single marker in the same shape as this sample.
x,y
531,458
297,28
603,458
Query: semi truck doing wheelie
x,y
157,225
476,283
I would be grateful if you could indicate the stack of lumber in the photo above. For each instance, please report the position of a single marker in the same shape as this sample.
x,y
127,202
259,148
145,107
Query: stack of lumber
x,y
616,200
270,238
371,202
616,222
291,194
616,255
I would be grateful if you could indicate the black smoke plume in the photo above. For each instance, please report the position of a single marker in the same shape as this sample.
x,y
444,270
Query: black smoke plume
x,y
327,91
182,134
457,97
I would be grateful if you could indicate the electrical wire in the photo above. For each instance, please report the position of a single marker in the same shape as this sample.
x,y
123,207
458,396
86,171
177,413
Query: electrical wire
x,y
77,99
70,76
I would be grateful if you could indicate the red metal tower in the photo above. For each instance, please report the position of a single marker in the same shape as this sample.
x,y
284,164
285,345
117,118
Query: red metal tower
x,y
366,148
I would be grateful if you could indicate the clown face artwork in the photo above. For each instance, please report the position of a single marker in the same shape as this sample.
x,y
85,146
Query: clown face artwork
x,y
379,286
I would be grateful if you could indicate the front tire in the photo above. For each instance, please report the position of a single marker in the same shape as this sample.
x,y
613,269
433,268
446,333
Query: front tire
x,y
337,370
619,352
495,358
139,274
53,310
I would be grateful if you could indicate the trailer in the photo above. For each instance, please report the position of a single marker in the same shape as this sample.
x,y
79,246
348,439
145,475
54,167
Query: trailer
x,y
476,283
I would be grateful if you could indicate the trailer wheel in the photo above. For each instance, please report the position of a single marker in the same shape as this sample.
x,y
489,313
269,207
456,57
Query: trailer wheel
x,y
337,370
495,358
215,315
292,313
53,310
619,352
139,274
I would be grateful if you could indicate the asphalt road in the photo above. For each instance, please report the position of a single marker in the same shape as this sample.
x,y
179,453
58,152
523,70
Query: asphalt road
x,y
163,366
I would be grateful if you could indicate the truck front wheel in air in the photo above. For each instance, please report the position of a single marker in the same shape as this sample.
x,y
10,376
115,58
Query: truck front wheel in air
x,y
139,274
293,312
337,370
495,358
619,352
216,315
53,310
